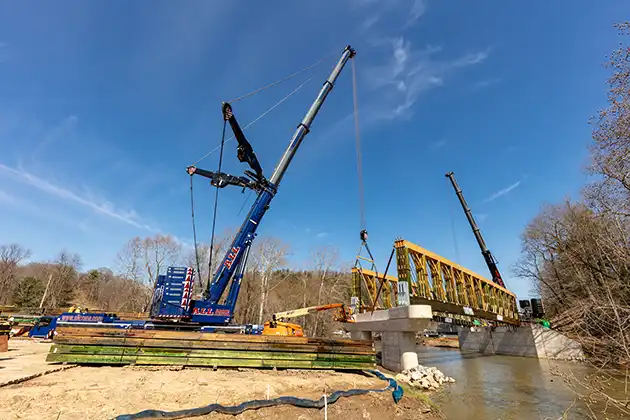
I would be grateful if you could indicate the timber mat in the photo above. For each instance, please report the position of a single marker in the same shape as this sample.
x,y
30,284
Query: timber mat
x,y
182,348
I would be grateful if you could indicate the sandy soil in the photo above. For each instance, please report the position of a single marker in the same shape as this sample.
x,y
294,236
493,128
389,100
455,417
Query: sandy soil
x,y
24,358
451,342
105,392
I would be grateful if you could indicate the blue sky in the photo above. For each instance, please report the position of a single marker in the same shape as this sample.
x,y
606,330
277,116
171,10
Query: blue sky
x,y
104,104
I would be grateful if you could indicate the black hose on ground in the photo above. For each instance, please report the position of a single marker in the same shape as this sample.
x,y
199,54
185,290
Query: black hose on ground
x,y
397,394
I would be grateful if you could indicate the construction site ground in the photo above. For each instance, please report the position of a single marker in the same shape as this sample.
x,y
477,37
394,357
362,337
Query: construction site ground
x,y
105,392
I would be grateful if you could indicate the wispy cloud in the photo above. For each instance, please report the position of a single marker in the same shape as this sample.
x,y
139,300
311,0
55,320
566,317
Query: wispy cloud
x,y
408,73
502,192
481,217
482,84
6,197
418,8
62,129
438,144
369,22
412,10
322,235
101,207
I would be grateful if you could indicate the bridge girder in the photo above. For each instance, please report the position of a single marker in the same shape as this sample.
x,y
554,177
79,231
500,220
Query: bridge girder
x,y
445,285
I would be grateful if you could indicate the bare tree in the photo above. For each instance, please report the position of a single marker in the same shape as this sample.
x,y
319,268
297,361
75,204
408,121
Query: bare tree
x,y
610,150
578,253
219,249
142,260
325,260
11,256
129,260
269,254
63,275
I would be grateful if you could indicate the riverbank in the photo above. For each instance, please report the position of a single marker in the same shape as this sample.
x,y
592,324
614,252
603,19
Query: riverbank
x,y
105,392
451,342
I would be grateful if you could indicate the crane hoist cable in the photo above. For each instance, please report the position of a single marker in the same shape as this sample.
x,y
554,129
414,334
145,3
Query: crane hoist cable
x,y
194,228
214,216
358,146
277,82
362,219
216,202
253,92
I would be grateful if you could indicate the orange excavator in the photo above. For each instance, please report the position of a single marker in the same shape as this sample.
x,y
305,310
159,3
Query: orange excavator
x,y
279,325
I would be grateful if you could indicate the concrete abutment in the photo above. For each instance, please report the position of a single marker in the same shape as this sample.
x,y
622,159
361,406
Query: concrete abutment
x,y
398,327
528,341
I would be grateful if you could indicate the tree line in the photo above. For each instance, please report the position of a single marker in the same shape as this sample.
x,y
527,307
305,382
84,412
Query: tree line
x,y
267,287
577,252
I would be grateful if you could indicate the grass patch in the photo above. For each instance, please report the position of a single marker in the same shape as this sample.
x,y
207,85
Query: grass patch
x,y
420,395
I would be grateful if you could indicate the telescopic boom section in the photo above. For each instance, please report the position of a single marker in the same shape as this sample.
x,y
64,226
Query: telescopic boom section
x,y
487,255
233,264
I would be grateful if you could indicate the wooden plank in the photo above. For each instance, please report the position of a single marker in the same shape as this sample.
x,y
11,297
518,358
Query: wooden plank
x,y
231,354
218,345
189,335
205,362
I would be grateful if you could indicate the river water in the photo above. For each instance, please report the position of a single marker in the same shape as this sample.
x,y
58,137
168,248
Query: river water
x,y
504,387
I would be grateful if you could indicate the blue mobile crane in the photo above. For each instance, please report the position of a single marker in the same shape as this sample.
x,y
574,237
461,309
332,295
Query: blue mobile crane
x,y
172,297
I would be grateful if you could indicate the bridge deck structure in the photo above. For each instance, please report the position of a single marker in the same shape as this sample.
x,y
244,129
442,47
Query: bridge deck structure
x,y
455,293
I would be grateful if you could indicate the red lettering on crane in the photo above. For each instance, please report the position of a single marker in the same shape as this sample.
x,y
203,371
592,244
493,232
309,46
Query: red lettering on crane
x,y
231,257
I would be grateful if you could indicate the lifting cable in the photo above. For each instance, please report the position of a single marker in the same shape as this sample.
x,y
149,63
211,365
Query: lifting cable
x,y
358,147
216,202
194,228
253,92
363,222
277,82
257,118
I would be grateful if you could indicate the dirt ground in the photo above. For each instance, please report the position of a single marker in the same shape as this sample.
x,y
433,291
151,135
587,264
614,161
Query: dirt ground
x,y
450,342
24,358
106,392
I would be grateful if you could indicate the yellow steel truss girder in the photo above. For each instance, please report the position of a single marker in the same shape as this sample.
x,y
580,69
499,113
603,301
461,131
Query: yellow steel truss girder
x,y
441,280
423,288
436,280
418,249
372,282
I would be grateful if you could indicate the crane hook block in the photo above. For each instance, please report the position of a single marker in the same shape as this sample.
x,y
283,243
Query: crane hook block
x,y
364,235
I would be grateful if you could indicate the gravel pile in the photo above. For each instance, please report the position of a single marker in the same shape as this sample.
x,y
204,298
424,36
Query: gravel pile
x,y
429,378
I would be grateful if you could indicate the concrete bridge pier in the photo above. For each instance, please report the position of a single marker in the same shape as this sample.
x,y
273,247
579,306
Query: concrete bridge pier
x,y
398,327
